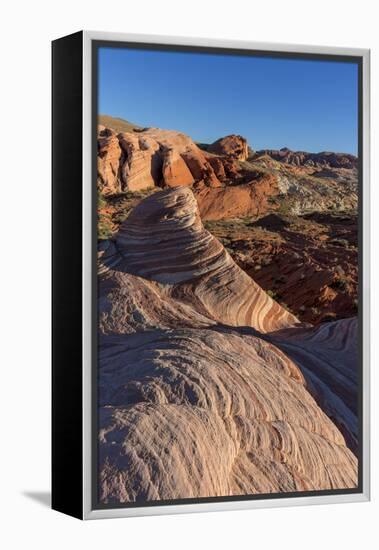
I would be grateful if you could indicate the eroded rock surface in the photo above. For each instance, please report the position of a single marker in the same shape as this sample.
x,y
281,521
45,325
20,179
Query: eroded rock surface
x,y
328,356
164,240
228,179
141,165
108,161
132,161
207,386
233,146
309,263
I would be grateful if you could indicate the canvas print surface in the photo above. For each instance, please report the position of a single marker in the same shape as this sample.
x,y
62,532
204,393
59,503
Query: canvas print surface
x,y
228,195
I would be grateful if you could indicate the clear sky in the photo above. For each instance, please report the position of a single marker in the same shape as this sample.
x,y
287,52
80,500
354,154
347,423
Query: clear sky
x,y
301,104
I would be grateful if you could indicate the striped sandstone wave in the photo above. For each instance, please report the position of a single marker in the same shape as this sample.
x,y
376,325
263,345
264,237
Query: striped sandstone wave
x,y
164,241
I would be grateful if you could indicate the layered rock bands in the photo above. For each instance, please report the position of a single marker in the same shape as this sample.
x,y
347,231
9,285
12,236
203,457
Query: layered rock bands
x,y
207,386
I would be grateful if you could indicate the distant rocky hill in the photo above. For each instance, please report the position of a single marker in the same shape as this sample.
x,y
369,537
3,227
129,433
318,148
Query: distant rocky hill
x,y
302,158
117,124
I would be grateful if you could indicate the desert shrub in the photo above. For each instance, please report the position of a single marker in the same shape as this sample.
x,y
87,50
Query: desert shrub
x,y
341,283
340,242
225,241
286,307
284,209
121,216
101,202
274,295
104,229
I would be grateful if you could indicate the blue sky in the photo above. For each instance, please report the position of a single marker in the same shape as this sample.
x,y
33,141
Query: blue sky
x,y
304,105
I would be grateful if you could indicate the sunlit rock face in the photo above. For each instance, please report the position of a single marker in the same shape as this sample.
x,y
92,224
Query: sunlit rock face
x,y
108,161
233,146
133,161
207,386
164,240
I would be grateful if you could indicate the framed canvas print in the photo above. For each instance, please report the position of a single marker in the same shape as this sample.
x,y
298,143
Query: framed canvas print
x,y
210,275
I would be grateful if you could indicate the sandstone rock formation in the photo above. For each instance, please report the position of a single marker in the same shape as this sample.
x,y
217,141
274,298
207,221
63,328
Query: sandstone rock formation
x,y
217,164
175,169
226,180
308,262
328,356
141,165
108,161
233,146
167,225
232,201
305,188
132,161
207,386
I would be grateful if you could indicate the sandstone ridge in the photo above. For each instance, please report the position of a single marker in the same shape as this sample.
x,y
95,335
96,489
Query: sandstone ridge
x,y
207,386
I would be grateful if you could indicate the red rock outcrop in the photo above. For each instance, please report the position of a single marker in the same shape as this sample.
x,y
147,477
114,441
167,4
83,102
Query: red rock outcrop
x,y
303,182
175,169
217,164
152,157
207,386
230,201
233,146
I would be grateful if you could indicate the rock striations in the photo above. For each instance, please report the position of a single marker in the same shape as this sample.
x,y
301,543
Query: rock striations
x,y
164,240
207,386
328,356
